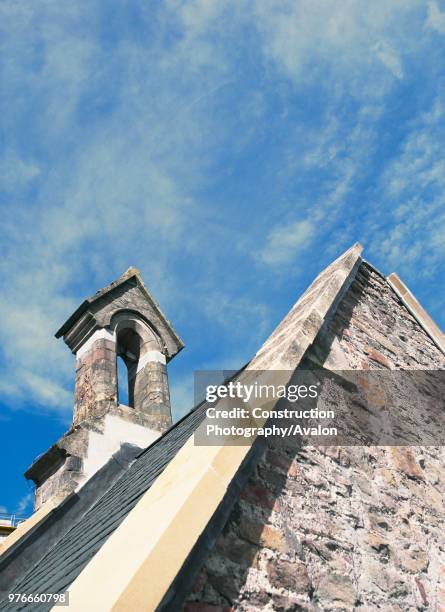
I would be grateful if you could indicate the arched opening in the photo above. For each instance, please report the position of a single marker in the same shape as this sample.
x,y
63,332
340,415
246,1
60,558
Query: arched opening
x,y
122,382
138,349
128,348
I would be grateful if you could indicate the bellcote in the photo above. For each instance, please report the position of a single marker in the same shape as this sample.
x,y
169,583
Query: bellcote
x,y
122,320
126,294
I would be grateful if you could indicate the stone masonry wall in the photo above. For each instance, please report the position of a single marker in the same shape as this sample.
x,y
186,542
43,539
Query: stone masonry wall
x,y
152,396
96,381
340,528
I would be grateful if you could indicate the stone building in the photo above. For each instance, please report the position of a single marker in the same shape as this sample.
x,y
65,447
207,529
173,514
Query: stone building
x,y
260,526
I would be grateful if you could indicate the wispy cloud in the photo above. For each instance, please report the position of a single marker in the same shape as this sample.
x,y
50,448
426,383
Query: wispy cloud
x,y
436,17
304,37
170,141
16,172
284,242
25,505
413,185
389,58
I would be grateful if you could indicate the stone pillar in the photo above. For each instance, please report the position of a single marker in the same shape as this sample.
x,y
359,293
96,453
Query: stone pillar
x,y
96,377
150,390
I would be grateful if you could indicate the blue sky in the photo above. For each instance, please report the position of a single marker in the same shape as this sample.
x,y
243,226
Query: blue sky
x,y
229,150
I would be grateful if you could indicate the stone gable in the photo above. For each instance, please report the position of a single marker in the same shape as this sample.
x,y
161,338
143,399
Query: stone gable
x,y
339,528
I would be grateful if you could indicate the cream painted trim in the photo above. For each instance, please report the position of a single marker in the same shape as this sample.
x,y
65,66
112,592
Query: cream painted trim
x,y
100,334
149,357
417,310
23,528
137,564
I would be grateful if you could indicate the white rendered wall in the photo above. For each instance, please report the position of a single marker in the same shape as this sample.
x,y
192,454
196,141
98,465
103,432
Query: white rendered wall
x,y
101,446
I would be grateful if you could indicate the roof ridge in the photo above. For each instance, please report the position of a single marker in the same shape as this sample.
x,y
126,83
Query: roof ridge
x,y
413,305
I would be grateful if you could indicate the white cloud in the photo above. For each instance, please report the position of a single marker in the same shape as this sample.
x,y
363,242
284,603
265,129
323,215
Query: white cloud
x,y
231,313
389,58
409,236
336,155
197,15
16,172
25,505
285,241
435,18
345,39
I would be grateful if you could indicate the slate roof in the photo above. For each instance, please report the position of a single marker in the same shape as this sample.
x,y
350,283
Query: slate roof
x,y
66,559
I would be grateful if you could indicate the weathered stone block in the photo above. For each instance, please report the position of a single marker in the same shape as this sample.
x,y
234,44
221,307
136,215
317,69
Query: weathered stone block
x,y
264,535
257,494
403,460
290,575
336,591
